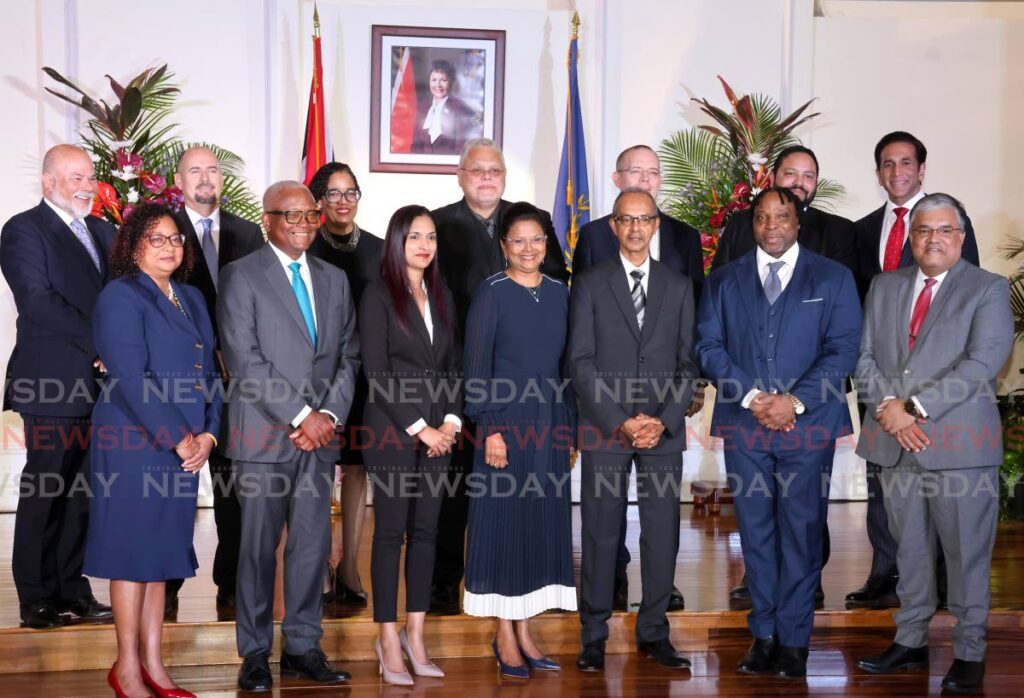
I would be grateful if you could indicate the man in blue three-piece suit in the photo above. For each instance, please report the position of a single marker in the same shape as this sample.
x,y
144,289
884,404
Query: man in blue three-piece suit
x,y
778,332
55,257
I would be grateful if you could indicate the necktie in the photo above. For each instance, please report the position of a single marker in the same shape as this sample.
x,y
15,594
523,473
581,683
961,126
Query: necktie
x,y
894,245
921,306
489,225
302,296
772,282
639,297
209,249
78,228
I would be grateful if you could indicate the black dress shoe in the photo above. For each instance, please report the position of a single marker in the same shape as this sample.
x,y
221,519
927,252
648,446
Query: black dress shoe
x,y
663,653
226,599
758,659
350,597
255,674
790,662
87,608
896,658
739,597
620,602
676,601
591,657
964,676
819,597
314,666
41,615
444,600
877,592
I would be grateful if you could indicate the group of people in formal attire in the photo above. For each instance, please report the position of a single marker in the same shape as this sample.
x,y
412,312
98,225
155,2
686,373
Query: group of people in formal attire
x,y
184,338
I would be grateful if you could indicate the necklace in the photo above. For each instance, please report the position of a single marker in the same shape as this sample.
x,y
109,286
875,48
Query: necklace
x,y
534,291
346,246
173,297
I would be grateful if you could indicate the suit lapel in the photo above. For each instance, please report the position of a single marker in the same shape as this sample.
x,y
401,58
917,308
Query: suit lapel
x,y
875,240
798,283
321,295
619,286
670,256
656,286
65,240
938,302
906,304
167,308
279,281
750,286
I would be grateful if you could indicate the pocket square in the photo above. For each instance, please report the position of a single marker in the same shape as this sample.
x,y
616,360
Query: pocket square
x,y
813,300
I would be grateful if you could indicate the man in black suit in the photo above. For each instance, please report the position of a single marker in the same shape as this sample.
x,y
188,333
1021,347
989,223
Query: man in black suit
x,y
832,236
630,336
217,238
469,251
55,257
883,244
676,245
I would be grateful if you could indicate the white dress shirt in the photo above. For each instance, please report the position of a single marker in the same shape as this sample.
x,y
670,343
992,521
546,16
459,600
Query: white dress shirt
x,y
433,122
890,219
64,215
214,227
645,268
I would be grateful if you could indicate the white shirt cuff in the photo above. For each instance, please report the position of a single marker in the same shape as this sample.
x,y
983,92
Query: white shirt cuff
x,y
337,422
454,419
303,413
748,398
416,427
919,406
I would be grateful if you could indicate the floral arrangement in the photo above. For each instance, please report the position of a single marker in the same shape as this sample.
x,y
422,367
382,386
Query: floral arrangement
x,y
712,171
135,153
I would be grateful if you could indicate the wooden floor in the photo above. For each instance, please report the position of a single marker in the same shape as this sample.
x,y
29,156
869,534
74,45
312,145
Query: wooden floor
x,y
202,649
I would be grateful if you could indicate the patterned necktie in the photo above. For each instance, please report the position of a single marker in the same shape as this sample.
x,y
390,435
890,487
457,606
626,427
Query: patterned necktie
x,y
489,226
80,231
302,296
209,249
921,306
894,245
638,295
772,282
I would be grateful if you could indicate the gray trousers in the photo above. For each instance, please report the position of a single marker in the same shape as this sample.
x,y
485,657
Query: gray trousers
x,y
297,494
957,509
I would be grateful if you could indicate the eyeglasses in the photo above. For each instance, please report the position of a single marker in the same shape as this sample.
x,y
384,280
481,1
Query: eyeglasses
x,y
311,216
944,231
334,196
520,243
158,240
640,172
479,172
627,219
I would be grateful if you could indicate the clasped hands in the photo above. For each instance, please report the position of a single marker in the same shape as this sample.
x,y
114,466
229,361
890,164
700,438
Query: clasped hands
x,y
440,441
194,450
893,417
773,411
643,431
315,431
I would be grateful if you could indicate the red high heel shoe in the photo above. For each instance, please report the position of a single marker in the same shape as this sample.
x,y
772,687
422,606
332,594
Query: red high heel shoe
x,y
114,684
162,692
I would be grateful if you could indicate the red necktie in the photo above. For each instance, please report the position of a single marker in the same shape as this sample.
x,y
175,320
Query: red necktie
x,y
894,245
924,301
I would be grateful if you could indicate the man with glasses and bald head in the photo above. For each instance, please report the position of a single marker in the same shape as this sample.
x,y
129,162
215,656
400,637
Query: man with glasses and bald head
x,y
469,251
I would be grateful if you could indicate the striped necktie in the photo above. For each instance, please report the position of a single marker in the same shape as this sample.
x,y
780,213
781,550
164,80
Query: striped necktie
x,y
80,231
638,295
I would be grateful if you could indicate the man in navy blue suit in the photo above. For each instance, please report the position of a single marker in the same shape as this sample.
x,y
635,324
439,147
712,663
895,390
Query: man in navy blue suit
x,y
55,257
778,333
676,245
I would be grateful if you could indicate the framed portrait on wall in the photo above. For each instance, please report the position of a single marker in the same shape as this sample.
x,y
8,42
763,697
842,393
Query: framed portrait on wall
x,y
431,90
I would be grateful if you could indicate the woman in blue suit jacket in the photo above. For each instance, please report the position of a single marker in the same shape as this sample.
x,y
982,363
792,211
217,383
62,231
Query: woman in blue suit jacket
x,y
153,429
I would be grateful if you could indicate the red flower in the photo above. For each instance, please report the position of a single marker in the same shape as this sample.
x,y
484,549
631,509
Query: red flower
x,y
741,191
106,202
717,219
153,182
124,158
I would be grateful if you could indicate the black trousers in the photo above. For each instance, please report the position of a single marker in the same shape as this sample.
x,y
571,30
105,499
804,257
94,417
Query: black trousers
x,y
450,556
227,514
53,511
407,498
604,480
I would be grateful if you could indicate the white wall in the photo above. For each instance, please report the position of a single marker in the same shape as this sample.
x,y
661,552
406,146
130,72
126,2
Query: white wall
x,y
244,67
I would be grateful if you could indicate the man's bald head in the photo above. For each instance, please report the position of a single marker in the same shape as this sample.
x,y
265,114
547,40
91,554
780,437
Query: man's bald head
x,y
69,179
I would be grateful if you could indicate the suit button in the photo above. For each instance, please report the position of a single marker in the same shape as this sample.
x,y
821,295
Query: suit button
x,y
771,336
198,345
907,371
199,387
198,366
772,313
643,359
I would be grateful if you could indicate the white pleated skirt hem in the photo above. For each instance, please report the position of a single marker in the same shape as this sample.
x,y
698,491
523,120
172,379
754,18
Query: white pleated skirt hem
x,y
520,607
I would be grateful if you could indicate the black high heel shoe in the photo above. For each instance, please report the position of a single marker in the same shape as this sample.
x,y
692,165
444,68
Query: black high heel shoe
x,y
344,595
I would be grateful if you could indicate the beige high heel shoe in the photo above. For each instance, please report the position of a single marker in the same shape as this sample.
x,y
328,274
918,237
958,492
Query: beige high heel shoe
x,y
395,678
428,669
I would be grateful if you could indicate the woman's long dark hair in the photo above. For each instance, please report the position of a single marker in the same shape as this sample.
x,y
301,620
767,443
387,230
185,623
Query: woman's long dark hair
x,y
394,269
129,241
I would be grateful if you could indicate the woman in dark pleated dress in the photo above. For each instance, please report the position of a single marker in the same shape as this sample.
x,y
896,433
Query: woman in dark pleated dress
x,y
519,558
341,242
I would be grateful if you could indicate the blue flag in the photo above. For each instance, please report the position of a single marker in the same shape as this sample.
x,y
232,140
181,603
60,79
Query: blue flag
x,y
572,193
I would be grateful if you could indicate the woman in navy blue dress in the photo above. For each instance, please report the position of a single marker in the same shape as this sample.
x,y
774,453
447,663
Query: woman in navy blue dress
x,y
152,433
519,558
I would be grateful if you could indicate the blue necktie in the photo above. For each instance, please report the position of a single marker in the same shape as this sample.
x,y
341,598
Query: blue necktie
x,y
80,231
209,249
302,296
772,283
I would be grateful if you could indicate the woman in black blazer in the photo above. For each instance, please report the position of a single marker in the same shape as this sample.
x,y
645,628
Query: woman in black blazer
x,y
412,362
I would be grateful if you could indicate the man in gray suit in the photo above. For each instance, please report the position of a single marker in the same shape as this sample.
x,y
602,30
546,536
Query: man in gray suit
x,y
287,330
630,334
935,337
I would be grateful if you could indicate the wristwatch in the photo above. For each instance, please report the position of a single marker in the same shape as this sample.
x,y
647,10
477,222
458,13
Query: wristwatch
x,y
798,407
911,408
